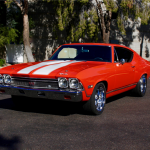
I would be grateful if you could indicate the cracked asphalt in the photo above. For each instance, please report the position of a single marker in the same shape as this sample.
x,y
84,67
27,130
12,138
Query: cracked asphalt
x,y
43,124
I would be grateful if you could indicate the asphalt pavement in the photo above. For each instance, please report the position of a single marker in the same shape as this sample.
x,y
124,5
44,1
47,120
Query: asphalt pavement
x,y
53,125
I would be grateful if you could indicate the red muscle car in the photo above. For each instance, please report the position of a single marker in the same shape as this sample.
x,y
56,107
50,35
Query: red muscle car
x,y
89,72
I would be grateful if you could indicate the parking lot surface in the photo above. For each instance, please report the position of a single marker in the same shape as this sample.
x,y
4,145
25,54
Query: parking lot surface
x,y
45,124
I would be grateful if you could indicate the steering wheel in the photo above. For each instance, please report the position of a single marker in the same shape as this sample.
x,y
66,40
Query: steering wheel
x,y
98,58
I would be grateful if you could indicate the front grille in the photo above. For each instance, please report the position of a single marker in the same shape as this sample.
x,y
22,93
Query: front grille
x,y
35,83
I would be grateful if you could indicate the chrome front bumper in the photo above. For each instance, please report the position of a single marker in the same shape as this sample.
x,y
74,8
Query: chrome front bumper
x,y
75,96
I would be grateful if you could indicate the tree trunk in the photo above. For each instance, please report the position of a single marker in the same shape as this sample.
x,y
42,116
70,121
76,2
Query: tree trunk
x,y
141,45
105,32
104,22
107,38
26,33
108,22
26,39
103,28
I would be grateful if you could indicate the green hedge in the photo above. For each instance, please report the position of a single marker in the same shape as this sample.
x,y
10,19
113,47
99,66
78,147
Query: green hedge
x,y
2,62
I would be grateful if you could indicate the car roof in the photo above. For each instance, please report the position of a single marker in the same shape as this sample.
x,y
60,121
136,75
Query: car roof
x,y
104,44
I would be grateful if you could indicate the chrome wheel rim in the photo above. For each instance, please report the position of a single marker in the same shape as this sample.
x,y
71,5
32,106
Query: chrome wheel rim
x,y
100,99
143,84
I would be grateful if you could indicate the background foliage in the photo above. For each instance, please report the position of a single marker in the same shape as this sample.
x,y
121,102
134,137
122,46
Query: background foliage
x,y
2,62
129,9
7,33
13,31
79,18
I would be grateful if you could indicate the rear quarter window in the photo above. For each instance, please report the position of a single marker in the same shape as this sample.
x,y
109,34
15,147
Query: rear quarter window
x,y
124,53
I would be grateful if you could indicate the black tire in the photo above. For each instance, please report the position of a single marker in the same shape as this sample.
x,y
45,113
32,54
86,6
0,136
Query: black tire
x,y
141,86
92,105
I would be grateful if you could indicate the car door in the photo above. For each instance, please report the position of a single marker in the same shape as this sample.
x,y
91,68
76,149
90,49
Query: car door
x,y
124,72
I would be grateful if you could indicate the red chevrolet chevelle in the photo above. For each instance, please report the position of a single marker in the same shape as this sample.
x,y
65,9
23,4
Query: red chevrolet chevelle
x,y
89,72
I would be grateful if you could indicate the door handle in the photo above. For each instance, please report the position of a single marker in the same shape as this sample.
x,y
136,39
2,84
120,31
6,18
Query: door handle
x,y
133,66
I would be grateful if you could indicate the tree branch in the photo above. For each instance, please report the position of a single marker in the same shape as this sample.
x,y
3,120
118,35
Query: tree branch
x,y
19,5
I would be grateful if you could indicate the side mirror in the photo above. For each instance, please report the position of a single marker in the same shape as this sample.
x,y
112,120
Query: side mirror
x,y
122,61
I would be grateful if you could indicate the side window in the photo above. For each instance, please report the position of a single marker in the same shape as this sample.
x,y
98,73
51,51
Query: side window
x,y
124,53
115,56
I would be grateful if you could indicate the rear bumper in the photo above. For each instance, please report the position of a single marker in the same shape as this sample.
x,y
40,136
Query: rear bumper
x,y
75,96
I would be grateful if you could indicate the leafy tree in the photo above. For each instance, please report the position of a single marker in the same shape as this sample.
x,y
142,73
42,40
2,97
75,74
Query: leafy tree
x,y
7,33
77,17
82,18
125,9
2,13
23,6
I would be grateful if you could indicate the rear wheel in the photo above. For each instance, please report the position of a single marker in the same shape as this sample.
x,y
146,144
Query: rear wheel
x,y
141,86
97,101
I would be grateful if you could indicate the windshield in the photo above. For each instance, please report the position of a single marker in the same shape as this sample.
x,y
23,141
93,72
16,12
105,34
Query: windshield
x,y
83,52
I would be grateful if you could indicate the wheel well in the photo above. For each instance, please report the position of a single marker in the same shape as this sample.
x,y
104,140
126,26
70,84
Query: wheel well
x,y
144,74
106,84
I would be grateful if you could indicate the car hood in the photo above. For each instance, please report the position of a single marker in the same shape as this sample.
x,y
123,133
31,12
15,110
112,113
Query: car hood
x,y
49,69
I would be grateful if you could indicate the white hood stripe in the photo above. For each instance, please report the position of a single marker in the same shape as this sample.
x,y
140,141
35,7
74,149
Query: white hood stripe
x,y
48,69
31,68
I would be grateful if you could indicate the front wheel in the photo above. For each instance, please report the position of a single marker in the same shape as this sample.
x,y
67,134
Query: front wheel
x,y
141,86
97,101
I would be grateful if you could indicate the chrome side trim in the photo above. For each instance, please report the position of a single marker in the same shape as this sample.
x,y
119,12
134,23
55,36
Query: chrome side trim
x,y
121,88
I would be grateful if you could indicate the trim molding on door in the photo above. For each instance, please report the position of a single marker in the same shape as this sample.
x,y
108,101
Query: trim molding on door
x,y
121,88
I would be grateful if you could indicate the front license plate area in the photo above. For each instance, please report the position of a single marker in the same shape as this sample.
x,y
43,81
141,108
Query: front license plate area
x,y
22,91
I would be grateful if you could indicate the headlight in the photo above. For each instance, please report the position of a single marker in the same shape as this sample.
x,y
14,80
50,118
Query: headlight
x,y
7,79
62,82
1,79
73,83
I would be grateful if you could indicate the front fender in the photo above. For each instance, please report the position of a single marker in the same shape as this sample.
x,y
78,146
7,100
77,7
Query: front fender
x,y
90,77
